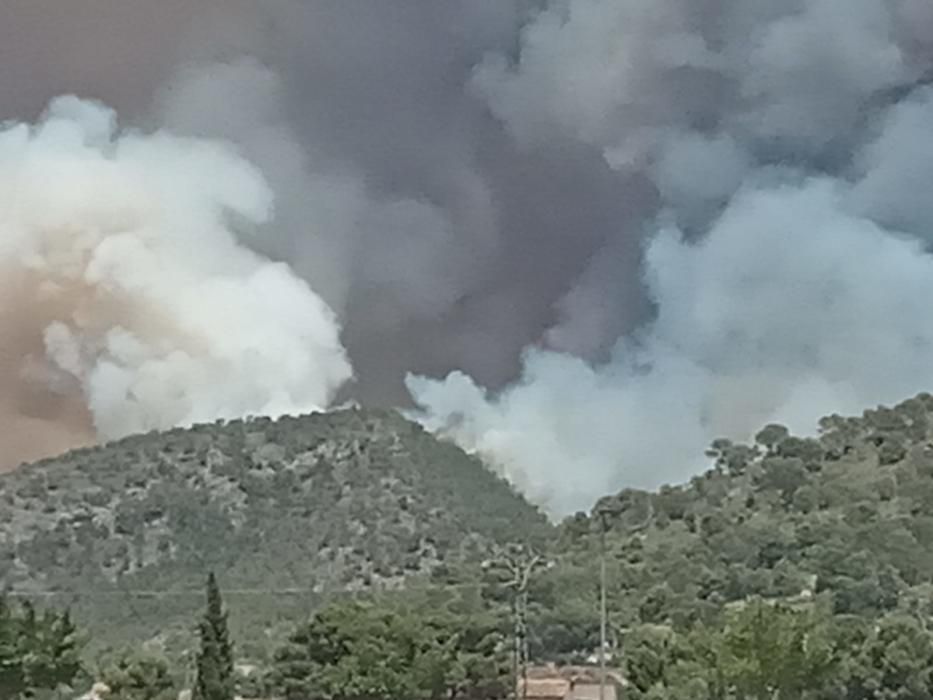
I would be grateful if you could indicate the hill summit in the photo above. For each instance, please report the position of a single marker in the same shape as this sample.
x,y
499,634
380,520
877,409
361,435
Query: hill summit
x,y
298,506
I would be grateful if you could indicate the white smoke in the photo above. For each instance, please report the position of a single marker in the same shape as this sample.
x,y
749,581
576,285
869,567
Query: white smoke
x,y
124,248
790,309
694,215
786,264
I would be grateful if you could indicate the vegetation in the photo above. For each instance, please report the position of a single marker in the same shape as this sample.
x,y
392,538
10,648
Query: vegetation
x,y
354,651
761,650
795,567
139,676
847,515
772,651
214,680
288,511
37,652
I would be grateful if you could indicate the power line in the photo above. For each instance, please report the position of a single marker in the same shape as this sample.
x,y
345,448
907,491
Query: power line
x,y
519,563
153,593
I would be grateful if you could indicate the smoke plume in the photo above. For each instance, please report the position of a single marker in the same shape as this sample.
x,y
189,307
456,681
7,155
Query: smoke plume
x,y
593,234
143,310
786,260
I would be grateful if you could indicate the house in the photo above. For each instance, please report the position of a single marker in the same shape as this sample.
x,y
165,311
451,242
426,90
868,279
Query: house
x,y
570,683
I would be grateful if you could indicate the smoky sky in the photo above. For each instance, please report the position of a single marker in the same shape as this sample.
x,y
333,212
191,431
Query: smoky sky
x,y
441,243
786,145
378,93
564,203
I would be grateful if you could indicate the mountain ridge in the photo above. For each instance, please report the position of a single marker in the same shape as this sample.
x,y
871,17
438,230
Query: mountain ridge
x,y
341,501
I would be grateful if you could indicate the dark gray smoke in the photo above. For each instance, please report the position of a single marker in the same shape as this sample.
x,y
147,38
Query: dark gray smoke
x,y
695,215
785,259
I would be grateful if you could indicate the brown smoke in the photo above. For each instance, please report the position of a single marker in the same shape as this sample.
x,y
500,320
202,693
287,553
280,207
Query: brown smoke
x,y
125,289
119,52
39,418
398,198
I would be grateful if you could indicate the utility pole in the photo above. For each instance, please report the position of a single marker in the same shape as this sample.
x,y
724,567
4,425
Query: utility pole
x,y
602,514
518,563
602,609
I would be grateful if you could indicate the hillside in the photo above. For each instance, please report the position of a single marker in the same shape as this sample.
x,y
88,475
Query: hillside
x,y
846,516
284,511
291,513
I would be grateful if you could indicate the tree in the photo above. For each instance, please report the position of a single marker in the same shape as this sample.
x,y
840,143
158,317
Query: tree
x,y
806,499
782,474
662,664
809,451
731,458
214,662
895,662
655,606
52,653
891,451
37,652
346,651
11,669
354,651
771,436
650,652
767,651
139,677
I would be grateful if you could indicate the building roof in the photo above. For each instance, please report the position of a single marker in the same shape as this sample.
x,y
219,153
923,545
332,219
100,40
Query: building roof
x,y
545,688
590,691
569,683
577,674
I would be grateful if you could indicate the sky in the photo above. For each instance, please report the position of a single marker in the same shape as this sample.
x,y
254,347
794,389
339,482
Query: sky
x,y
580,237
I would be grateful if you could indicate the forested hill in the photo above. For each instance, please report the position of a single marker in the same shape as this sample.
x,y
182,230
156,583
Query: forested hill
x,y
292,512
347,500
848,514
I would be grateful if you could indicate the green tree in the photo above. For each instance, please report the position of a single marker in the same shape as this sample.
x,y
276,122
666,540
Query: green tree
x,y
37,652
12,681
655,606
662,664
214,662
354,651
135,676
52,650
731,458
771,436
895,662
891,451
782,474
346,651
806,500
809,451
650,653
771,652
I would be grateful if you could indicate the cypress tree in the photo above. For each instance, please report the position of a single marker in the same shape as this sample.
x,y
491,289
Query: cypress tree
x,y
11,670
215,660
